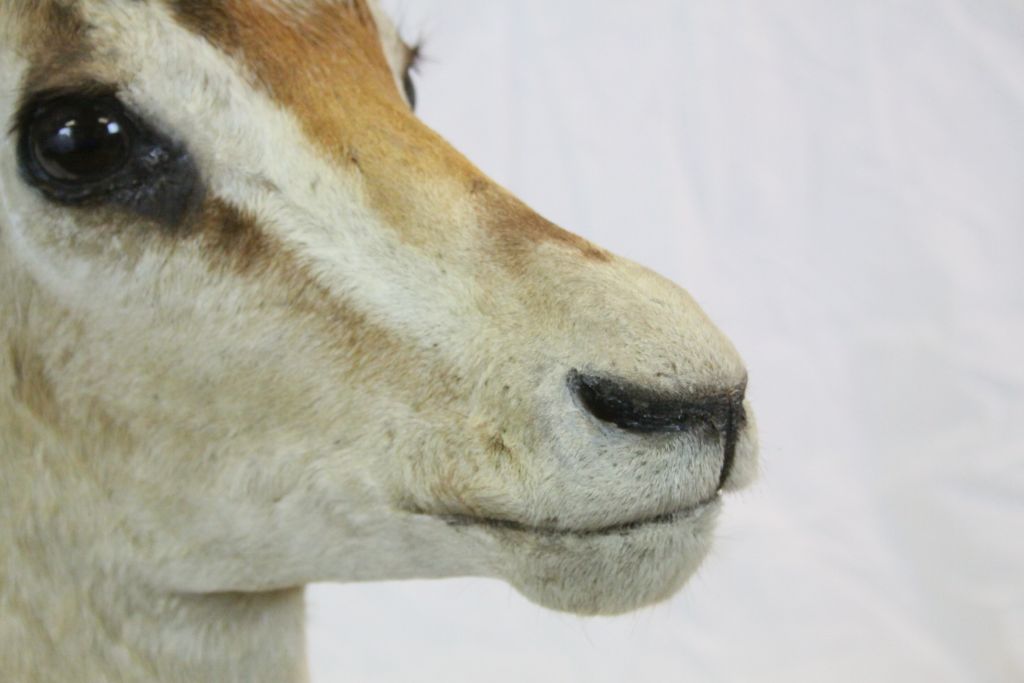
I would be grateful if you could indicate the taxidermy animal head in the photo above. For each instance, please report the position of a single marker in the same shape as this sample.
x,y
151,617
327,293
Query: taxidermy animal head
x,y
260,327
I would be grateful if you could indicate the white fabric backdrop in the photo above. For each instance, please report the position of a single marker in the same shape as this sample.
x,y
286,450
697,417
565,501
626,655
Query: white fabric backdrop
x,y
840,183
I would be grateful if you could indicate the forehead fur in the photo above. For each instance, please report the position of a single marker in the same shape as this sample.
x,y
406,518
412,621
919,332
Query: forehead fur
x,y
48,26
295,31
300,51
49,35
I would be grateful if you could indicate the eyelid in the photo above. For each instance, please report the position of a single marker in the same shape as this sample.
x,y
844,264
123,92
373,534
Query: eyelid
x,y
34,99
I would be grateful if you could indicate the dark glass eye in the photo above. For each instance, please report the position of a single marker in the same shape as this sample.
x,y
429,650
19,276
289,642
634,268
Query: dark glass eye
x,y
410,89
86,149
81,141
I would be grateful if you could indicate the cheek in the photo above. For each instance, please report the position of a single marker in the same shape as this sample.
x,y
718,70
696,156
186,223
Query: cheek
x,y
67,251
152,331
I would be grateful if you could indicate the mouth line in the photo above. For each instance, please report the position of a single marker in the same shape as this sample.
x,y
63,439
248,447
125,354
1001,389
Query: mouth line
x,y
619,528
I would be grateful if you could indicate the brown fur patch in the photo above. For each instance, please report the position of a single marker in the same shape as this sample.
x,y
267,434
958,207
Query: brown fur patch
x,y
54,39
208,18
517,229
233,236
32,386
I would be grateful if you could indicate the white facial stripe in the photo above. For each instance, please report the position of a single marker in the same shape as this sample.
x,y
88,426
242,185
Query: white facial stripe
x,y
246,145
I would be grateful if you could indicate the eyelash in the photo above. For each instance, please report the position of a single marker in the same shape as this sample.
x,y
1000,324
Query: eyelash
x,y
415,57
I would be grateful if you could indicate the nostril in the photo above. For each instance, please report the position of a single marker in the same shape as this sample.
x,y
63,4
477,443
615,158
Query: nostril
x,y
639,409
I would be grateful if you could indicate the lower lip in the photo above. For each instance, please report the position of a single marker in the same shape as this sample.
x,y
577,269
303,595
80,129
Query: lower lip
x,y
622,528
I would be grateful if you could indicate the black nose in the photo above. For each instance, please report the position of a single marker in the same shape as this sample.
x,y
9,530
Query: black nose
x,y
639,409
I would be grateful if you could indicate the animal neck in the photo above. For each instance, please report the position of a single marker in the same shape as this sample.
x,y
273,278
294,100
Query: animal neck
x,y
68,611
105,632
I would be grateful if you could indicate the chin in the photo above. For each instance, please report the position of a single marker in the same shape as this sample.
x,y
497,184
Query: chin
x,y
604,571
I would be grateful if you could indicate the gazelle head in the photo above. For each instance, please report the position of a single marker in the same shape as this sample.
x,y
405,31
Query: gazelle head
x,y
274,330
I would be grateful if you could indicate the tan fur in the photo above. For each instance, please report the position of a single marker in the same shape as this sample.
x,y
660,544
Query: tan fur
x,y
353,346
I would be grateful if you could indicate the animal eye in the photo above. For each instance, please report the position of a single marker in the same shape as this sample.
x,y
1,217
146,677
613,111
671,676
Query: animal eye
x,y
410,88
86,148
80,141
